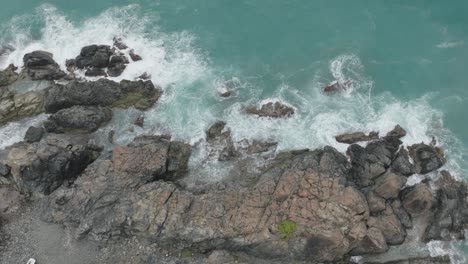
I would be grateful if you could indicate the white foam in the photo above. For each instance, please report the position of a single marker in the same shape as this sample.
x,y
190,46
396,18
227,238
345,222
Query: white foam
x,y
450,44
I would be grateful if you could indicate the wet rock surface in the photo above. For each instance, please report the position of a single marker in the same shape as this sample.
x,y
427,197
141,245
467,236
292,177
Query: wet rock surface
x,y
40,65
78,119
273,110
356,137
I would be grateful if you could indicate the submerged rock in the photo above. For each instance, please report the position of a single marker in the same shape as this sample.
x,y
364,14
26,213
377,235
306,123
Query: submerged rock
x,y
40,65
273,110
357,137
78,119
337,86
140,94
134,56
119,43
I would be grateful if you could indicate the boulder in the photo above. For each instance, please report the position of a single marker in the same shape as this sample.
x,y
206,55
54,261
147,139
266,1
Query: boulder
x,y
402,165
40,65
273,110
78,119
397,132
34,134
95,72
417,199
373,243
43,167
389,224
356,137
427,158
337,86
376,203
117,65
8,76
140,94
400,212
96,56
134,56
388,186
295,211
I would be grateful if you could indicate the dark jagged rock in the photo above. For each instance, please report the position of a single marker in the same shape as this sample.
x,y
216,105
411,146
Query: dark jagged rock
x,y
34,134
140,94
372,161
78,119
337,86
418,199
178,158
450,210
144,76
45,166
40,65
215,130
117,65
220,140
120,196
357,137
273,110
95,72
427,158
397,132
118,43
140,121
94,56
8,76
373,243
400,212
402,165
134,56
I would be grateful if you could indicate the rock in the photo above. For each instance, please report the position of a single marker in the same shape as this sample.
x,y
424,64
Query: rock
x,y
70,64
388,186
372,161
4,169
117,65
34,134
390,226
94,72
402,165
450,210
356,137
295,211
376,203
337,86
78,119
10,200
418,199
8,76
400,212
178,158
43,167
140,121
17,106
258,146
220,140
94,56
273,110
144,76
397,132
134,56
40,65
373,243
427,158
118,42
140,94
225,93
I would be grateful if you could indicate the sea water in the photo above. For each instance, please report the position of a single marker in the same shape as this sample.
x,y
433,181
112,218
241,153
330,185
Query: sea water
x,y
407,60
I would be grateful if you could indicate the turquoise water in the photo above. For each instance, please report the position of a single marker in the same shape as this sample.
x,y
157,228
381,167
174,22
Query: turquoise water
x,y
408,61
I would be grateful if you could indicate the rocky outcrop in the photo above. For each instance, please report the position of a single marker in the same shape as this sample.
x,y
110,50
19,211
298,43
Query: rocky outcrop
x,y
140,94
96,56
8,76
15,106
220,142
44,166
78,119
40,65
273,110
427,158
296,210
357,137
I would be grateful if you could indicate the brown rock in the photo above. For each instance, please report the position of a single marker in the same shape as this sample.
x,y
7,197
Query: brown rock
x,y
390,226
374,242
388,186
376,203
418,200
273,110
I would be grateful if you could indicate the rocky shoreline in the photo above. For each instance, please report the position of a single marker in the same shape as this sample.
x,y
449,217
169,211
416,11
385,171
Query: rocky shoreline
x,y
304,206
